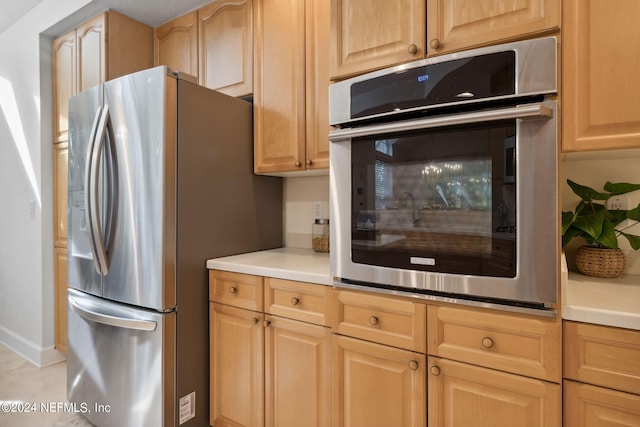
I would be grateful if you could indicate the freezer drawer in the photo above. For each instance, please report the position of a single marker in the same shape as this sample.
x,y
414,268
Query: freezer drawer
x,y
120,363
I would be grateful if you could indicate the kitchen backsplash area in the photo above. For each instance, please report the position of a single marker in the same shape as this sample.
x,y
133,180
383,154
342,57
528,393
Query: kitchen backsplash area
x,y
300,195
589,168
594,169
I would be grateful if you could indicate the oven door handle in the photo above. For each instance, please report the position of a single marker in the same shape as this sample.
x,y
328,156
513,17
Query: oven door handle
x,y
529,111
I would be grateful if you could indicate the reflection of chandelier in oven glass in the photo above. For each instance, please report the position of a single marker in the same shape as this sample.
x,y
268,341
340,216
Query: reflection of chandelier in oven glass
x,y
431,171
456,185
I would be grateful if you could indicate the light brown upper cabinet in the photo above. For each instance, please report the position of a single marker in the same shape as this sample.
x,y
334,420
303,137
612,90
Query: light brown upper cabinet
x,y
291,80
225,36
600,108
454,25
176,44
91,54
366,36
107,46
63,59
375,34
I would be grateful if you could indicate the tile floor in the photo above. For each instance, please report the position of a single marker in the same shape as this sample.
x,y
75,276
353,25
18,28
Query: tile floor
x,y
21,381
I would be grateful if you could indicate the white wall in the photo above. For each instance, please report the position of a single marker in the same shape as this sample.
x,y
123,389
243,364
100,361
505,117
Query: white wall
x,y
26,244
594,169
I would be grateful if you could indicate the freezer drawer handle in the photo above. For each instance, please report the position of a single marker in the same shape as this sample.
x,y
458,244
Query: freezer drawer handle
x,y
106,319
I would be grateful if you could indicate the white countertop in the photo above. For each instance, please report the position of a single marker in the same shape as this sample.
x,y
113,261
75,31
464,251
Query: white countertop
x,y
610,302
303,265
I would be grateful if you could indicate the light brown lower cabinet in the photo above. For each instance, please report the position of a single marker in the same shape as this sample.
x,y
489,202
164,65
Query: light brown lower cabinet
x,y
291,354
268,370
462,395
60,174
60,290
297,373
587,405
236,366
602,376
375,385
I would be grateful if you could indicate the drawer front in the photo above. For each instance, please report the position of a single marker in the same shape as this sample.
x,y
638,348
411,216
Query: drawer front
x,y
236,289
602,355
519,344
397,322
296,300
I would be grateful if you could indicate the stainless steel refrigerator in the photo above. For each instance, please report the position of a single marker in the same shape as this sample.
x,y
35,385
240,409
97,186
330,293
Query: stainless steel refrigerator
x,y
160,179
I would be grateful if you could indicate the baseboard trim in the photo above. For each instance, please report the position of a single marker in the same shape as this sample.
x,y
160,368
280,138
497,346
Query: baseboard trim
x,y
35,354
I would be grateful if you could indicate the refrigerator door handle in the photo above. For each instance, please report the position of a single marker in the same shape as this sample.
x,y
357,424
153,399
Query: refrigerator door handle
x,y
90,214
95,191
109,319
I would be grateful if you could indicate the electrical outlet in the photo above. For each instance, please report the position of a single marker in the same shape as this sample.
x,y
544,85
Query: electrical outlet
x,y
316,210
618,203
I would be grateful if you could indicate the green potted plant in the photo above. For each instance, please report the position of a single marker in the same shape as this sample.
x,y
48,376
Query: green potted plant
x,y
600,227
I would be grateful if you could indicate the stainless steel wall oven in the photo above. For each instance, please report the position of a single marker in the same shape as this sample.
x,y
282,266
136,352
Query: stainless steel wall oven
x,y
444,178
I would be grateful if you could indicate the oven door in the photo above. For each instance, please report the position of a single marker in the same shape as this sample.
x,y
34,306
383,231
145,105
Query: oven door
x,y
459,205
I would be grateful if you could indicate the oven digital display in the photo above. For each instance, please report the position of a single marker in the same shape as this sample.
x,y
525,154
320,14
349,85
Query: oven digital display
x,y
458,80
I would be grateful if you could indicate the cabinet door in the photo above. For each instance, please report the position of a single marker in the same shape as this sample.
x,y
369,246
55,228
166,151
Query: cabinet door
x,y
462,395
317,85
588,405
92,56
60,303
225,33
377,386
63,59
237,367
600,108
372,34
297,374
279,86
60,174
462,24
176,44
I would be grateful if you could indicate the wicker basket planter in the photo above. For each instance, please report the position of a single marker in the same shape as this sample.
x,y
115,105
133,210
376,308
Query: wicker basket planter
x,y
600,262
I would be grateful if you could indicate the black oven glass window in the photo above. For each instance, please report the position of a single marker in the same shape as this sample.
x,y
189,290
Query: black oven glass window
x,y
437,200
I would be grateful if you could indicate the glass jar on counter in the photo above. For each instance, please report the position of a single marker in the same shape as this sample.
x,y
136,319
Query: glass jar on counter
x,y
320,235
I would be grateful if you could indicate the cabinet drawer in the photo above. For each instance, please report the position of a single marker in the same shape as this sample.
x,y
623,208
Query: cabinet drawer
x,y
236,289
397,322
523,345
296,300
602,355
